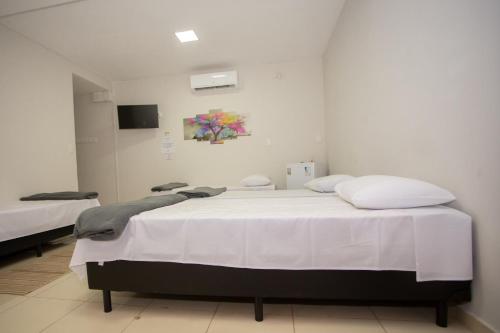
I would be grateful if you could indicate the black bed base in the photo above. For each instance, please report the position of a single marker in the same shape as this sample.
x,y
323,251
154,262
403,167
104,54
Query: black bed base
x,y
33,241
260,284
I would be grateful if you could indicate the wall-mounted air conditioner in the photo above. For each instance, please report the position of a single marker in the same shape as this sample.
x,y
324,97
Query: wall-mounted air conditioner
x,y
227,79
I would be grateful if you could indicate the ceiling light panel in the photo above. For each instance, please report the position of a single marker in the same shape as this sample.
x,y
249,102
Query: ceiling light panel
x,y
186,36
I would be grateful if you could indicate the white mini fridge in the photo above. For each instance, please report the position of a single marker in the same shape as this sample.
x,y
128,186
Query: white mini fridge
x,y
297,174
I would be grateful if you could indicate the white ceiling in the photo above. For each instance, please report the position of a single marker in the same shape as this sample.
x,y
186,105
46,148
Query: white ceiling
x,y
12,7
127,39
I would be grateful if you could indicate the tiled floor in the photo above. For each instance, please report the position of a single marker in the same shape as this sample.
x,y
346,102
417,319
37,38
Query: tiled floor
x,y
66,305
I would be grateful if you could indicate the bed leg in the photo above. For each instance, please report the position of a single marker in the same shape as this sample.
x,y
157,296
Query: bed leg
x,y
259,309
442,314
38,249
106,298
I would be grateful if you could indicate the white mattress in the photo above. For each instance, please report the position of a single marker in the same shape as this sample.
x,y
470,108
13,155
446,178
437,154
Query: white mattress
x,y
270,187
270,194
293,230
23,218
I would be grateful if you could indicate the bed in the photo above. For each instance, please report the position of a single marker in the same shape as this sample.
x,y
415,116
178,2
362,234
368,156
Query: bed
x,y
29,224
270,187
294,244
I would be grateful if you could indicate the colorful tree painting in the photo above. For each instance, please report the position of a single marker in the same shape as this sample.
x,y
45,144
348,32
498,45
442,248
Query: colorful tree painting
x,y
215,126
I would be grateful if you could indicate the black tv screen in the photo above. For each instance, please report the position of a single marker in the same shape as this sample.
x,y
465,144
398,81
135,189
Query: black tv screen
x,y
138,116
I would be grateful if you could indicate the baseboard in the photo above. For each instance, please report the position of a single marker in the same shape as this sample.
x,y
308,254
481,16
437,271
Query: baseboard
x,y
473,323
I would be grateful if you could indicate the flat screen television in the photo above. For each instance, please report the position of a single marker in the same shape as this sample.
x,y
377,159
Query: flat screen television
x,y
138,116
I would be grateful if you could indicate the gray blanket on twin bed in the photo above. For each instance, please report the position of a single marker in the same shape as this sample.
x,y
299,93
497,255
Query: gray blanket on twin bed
x,y
167,187
108,222
61,196
202,192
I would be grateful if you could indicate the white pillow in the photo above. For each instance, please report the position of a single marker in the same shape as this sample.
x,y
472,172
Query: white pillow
x,y
388,192
327,184
255,180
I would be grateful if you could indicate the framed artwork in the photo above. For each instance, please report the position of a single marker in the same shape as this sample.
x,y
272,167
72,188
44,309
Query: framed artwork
x,y
216,126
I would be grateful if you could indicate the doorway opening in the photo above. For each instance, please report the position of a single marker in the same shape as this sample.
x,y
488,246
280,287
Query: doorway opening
x,y
95,139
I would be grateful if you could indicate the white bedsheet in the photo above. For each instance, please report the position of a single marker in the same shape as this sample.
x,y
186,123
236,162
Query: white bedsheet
x,y
293,230
269,187
23,218
299,193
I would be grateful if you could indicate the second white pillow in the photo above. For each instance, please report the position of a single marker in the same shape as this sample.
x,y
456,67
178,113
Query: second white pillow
x,y
328,183
255,180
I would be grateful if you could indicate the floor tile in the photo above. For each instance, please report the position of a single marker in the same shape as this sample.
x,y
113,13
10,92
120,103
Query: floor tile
x,y
247,309
180,319
336,325
123,298
89,317
35,314
5,298
421,327
239,317
71,288
335,311
184,304
453,312
7,301
404,313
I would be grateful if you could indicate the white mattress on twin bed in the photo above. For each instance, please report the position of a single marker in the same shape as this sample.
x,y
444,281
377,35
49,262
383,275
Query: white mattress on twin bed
x,y
23,218
297,229
270,194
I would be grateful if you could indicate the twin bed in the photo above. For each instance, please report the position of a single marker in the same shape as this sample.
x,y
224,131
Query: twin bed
x,y
29,224
294,244
270,187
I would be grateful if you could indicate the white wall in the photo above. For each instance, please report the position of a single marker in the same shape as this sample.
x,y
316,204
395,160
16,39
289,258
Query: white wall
x,y
37,140
288,111
95,147
413,89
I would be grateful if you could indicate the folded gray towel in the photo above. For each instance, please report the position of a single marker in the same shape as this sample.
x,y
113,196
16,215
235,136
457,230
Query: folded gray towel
x,y
61,196
168,187
202,192
108,222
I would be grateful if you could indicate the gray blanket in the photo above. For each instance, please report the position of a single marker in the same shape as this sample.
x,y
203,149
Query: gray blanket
x,y
202,192
108,222
167,187
61,196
